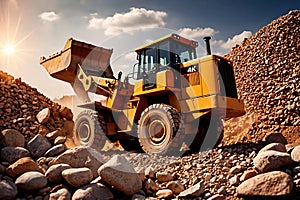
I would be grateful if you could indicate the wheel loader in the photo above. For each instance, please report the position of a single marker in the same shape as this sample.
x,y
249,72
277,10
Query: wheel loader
x,y
171,98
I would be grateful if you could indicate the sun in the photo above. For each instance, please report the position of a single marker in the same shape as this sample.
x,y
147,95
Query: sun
x,y
9,49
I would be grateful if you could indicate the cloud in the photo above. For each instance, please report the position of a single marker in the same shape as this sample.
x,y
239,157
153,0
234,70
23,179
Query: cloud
x,y
134,20
237,39
49,16
131,56
197,32
222,47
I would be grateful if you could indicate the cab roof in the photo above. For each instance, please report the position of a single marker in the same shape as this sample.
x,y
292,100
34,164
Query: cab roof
x,y
172,36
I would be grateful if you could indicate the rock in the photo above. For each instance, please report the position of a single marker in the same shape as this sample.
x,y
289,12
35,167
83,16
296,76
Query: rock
x,y
150,186
12,154
13,138
77,177
31,181
43,130
38,145
43,116
2,169
8,189
164,193
60,140
164,177
234,180
93,191
296,154
235,169
274,146
68,127
78,157
222,190
271,160
138,197
61,194
194,191
289,148
248,174
150,172
141,173
276,137
119,173
207,177
55,150
65,112
54,134
53,173
175,186
21,166
217,197
274,183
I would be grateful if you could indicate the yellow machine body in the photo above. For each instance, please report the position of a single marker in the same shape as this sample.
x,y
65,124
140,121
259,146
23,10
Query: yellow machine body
x,y
196,87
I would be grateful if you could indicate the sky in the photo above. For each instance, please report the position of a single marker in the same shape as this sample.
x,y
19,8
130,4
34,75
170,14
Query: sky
x,y
30,29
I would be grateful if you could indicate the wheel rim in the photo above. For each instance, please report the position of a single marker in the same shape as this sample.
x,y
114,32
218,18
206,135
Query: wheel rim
x,y
84,132
157,131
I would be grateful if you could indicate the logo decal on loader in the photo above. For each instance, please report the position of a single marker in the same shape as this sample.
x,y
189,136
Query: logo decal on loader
x,y
190,69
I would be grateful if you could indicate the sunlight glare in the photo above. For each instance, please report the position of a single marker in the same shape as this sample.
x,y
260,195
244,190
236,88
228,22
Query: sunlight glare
x,y
9,49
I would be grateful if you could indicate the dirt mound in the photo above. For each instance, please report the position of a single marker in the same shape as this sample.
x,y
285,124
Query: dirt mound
x,y
267,69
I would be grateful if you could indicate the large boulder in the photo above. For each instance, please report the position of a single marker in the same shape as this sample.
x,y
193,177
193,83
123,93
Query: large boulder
x,y
53,173
81,157
164,177
296,154
119,173
150,186
13,138
60,194
55,150
38,145
12,154
77,177
23,165
175,186
31,181
43,116
92,191
164,194
276,137
194,191
274,183
271,160
274,146
8,189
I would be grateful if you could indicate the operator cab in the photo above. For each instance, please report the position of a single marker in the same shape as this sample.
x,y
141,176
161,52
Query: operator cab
x,y
162,54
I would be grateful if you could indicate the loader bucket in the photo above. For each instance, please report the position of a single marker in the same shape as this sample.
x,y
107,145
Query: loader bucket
x,y
62,65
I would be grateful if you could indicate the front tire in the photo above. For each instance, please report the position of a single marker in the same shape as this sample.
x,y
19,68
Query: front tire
x,y
90,130
158,129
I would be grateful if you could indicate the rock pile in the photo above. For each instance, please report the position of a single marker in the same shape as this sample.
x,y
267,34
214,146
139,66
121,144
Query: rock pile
x,y
57,173
267,169
267,69
24,109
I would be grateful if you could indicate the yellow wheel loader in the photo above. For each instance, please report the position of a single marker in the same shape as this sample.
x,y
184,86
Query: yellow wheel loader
x,y
170,98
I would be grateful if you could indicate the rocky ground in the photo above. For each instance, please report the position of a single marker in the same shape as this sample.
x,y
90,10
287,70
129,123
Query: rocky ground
x,y
259,157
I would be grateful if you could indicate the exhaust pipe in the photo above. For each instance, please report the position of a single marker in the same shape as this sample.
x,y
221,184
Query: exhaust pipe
x,y
206,39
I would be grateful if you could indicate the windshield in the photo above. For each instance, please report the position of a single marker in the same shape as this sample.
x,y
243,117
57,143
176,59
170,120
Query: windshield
x,y
183,53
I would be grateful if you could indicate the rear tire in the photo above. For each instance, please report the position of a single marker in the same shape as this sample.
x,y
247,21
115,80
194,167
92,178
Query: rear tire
x,y
90,130
159,130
